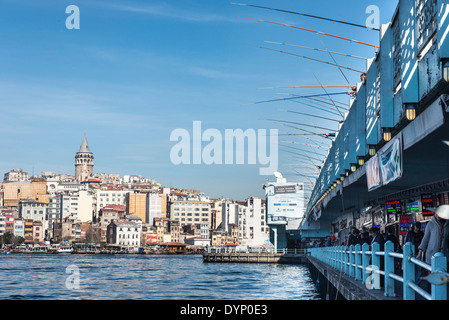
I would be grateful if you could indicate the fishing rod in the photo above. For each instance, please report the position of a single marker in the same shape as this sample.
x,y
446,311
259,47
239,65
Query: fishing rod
x,y
319,154
310,115
313,59
324,106
302,124
315,100
304,87
315,49
299,154
304,130
295,97
323,135
346,106
305,176
341,71
330,97
314,31
315,107
305,144
307,15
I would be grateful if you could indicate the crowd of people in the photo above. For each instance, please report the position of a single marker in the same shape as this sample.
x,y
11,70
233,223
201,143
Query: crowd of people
x,y
435,238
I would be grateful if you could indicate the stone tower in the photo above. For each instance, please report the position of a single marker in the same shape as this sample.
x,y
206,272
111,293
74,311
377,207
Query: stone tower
x,y
84,162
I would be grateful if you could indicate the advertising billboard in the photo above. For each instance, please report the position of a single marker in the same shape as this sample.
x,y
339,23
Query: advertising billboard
x,y
285,201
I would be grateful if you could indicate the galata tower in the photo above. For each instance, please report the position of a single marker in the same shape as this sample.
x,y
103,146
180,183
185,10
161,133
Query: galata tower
x,y
84,162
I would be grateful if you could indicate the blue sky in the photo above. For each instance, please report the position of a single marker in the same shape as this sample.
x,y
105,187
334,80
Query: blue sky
x,y
137,70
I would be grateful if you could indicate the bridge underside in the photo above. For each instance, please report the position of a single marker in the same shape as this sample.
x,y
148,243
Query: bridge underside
x,y
425,170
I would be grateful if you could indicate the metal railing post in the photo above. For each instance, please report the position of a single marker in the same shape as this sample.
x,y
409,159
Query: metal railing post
x,y
409,272
439,263
375,265
351,261
365,261
334,256
345,259
342,258
389,268
358,262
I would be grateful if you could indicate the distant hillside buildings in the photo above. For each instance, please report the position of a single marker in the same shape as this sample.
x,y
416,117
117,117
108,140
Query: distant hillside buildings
x,y
130,211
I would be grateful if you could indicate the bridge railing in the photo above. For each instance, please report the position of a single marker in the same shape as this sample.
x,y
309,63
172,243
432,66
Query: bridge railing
x,y
367,265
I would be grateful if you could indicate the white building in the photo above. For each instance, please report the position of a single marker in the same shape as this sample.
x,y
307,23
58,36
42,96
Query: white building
x,y
19,228
190,212
253,229
229,215
55,186
33,210
16,175
109,197
124,233
154,207
78,206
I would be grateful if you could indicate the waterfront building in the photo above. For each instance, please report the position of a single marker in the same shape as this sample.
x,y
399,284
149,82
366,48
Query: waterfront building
x,y
53,213
167,230
154,207
84,162
136,204
110,197
38,232
16,175
190,212
9,223
33,210
253,229
216,213
78,206
221,238
28,231
174,247
198,242
2,225
124,233
229,215
19,228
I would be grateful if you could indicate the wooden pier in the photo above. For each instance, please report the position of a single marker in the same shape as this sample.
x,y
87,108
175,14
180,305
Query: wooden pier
x,y
263,257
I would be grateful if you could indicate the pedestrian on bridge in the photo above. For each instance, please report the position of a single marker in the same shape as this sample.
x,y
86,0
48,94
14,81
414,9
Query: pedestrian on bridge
x,y
365,238
432,241
415,236
391,237
377,237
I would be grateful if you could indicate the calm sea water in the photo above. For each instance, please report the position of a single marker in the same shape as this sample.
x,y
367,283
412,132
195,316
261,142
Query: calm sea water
x,y
150,277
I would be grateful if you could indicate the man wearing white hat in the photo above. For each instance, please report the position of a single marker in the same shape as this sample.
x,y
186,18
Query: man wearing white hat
x,y
435,234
